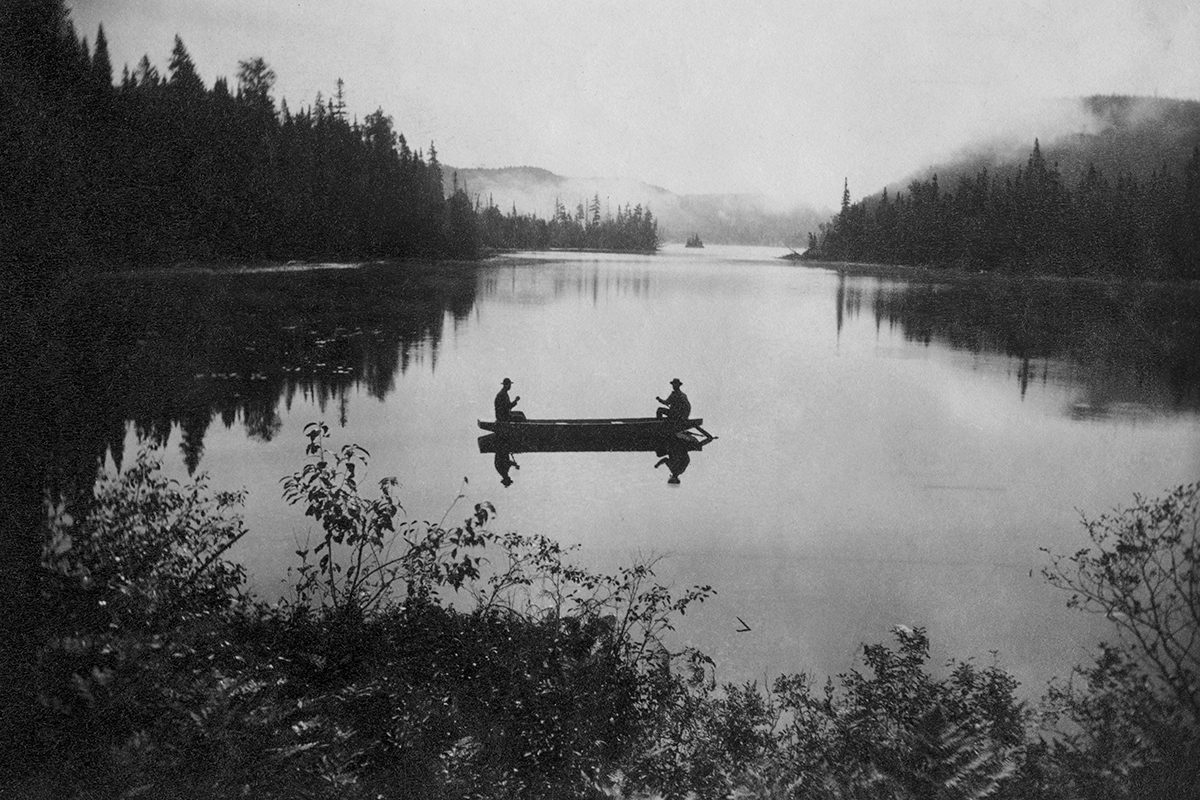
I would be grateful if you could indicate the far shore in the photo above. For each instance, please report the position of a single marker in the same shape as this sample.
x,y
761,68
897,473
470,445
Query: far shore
x,y
960,274
949,274
233,266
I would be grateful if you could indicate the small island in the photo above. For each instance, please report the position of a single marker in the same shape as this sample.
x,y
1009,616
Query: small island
x,y
694,241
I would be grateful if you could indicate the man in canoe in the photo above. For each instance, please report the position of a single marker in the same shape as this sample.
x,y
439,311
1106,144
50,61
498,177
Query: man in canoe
x,y
504,406
677,405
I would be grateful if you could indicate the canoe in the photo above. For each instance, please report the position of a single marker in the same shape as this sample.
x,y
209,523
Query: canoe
x,y
566,443
619,428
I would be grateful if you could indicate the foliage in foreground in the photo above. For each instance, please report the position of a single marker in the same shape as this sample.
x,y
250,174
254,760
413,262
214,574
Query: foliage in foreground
x,y
164,679
425,660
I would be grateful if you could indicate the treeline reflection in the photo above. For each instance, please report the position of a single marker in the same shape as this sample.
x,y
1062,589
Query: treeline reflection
x,y
1125,349
188,349
536,286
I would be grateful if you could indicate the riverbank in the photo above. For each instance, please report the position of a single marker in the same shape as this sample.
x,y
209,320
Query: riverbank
x,y
498,252
961,275
257,266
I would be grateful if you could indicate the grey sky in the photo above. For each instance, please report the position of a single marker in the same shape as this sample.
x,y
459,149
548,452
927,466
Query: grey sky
x,y
784,98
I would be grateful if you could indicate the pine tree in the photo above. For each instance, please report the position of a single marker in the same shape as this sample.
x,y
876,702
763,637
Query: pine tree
x,y
338,103
183,77
146,75
255,82
102,70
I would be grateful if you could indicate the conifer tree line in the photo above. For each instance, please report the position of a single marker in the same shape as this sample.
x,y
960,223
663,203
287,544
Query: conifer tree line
x,y
633,229
1031,221
157,167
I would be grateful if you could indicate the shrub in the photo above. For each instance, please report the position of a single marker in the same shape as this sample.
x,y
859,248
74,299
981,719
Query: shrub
x,y
139,650
161,678
358,566
895,732
1129,724
426,660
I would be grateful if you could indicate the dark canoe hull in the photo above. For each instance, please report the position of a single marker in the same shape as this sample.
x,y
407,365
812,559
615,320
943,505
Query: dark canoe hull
x,y
660,444
557,435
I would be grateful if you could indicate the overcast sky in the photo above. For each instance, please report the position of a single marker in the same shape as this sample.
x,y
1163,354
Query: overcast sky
x,y
784,98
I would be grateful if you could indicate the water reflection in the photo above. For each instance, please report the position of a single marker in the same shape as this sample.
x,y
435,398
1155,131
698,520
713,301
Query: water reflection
x,y
676,457
186,349
674,450
896,463
505,462
1131,350
537,286
189,349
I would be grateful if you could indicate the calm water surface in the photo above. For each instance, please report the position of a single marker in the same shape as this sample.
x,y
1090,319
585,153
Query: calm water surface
x,y
888,453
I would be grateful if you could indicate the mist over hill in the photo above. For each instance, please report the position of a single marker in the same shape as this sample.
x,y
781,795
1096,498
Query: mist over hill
x,y
1107,186
1117,134
717,218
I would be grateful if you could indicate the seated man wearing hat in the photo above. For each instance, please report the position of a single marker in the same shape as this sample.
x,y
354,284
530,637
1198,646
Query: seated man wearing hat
x,y
677,405
504,406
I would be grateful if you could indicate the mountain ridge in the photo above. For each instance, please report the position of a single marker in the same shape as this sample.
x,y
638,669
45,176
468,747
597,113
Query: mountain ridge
x,y
729,218
1118,134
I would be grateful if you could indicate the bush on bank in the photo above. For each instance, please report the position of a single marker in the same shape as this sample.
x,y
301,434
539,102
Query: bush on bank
x,y
161,677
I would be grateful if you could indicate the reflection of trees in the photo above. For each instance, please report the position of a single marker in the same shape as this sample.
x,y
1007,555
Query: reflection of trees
x,y
849,301
168,350
1123,346
508,283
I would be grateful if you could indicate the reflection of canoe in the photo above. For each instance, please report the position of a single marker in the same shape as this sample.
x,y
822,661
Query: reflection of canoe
x,y
659,443
630,433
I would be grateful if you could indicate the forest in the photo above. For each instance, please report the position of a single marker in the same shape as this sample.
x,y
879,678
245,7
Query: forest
x,y
158,168
1032,221
631,230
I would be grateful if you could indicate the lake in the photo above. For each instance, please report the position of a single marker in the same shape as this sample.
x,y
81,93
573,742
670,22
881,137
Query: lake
x,y
889,452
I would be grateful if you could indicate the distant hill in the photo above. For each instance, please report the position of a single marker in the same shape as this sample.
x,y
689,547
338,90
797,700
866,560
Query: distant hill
x,y
717,218
1037,209
1118,134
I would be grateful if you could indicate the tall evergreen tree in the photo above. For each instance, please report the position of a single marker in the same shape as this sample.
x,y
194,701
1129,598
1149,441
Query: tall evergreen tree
x,y
338,102
102,69
145,76
183,77
255,82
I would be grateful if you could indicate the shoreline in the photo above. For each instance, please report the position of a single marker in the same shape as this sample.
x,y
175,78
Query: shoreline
x,y
508,252
960,275
253,266
929,274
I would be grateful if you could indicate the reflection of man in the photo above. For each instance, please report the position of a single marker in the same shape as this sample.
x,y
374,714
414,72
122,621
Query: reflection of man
x,y
504,462
677,405
504,406
677,458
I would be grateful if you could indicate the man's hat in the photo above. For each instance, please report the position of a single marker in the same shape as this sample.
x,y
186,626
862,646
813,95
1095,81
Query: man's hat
x,y
676,382
506,382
